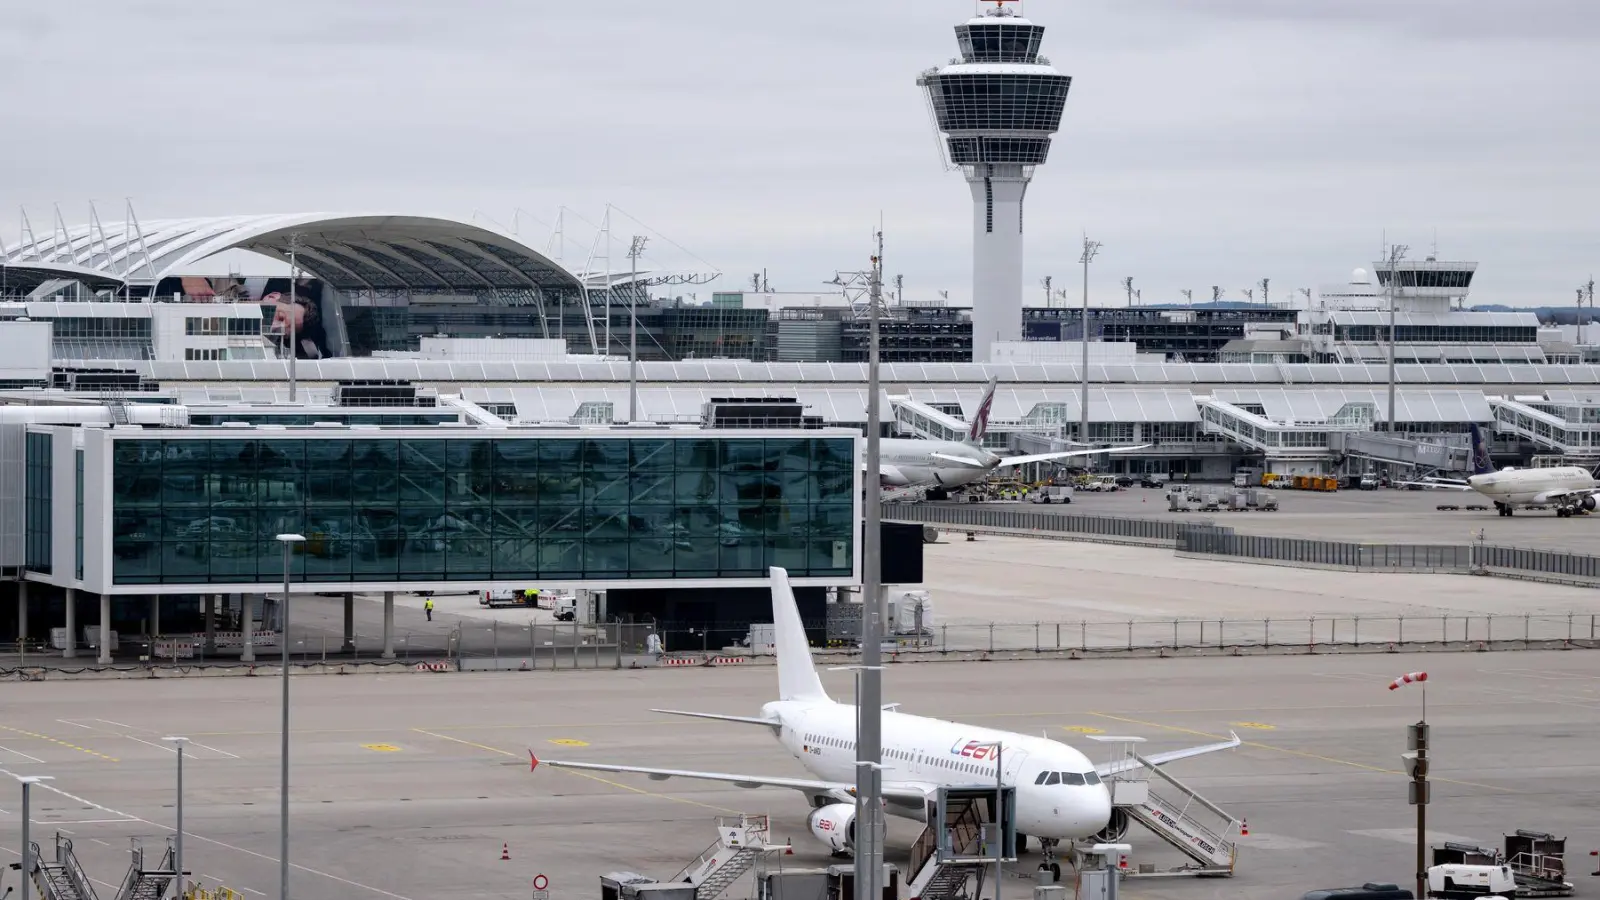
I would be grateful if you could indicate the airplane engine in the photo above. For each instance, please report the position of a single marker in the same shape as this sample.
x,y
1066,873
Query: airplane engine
x,y
1588,503
834,825
892,476
1116,829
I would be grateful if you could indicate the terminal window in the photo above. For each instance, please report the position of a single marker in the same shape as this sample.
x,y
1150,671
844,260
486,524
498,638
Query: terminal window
x,y
475,509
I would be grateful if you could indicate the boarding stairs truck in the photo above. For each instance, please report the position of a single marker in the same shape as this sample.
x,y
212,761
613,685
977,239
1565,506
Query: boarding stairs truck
x,y
148,884
741,841
1195,826
62,879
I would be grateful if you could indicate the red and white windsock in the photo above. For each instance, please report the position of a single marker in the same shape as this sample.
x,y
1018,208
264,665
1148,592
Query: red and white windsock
x,y
1408,678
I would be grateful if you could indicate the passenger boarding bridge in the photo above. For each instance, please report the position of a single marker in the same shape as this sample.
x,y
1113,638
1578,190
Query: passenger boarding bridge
x,y
1566,422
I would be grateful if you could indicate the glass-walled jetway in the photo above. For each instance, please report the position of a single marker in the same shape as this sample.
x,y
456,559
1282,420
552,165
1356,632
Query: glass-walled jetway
x,y
197,510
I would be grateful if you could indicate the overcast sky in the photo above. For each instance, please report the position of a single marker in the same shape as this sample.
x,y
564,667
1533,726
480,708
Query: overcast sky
x,y
1205,142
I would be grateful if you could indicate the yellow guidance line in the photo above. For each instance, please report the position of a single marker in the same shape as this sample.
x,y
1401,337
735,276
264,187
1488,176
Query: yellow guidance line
x,y
591,777
1301,753
46,737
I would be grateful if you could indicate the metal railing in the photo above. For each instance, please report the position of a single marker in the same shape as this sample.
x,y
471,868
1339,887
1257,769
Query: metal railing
x,y
1309,633
1203,537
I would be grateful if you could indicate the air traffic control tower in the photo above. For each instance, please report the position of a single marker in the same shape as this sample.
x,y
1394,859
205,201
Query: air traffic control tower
x,y
997,106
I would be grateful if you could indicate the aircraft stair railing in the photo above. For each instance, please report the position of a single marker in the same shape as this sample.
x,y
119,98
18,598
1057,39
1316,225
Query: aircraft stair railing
x,y
911,494
939,878
63,879
147,884
740,842
1177,819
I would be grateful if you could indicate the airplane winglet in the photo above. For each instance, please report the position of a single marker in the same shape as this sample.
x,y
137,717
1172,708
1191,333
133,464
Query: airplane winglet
x,y
1234,737
533,761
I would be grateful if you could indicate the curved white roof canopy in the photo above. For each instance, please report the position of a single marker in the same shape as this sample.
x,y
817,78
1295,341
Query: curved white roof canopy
x,y
23,278
351,252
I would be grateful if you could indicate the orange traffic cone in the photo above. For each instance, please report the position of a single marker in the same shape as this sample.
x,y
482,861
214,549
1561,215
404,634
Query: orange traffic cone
x,y
1244,827
505,851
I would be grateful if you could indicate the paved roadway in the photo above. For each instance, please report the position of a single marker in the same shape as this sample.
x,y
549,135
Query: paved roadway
x,y
1387,516
406,786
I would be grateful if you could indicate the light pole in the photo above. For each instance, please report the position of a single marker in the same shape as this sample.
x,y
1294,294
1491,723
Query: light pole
x,y
288,541
635,250
1090,248
177,847
28,781
294,316
869,746
869,776
1396,253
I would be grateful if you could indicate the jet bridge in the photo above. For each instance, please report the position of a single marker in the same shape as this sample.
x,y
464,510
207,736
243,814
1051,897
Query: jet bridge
x,y
1178,815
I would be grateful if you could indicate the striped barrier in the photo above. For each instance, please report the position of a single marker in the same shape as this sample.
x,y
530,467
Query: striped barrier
x,y
726,660
433,667
678,661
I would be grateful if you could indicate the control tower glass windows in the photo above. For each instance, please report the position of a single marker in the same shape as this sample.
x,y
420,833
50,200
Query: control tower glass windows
x,y
999,42
1429,278
999,102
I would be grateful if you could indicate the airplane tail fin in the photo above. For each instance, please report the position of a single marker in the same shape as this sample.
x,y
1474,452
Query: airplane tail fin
x,y
980,419
1481,464
797,675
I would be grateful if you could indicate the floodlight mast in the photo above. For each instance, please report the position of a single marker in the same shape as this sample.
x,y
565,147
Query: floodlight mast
x,y
1090,250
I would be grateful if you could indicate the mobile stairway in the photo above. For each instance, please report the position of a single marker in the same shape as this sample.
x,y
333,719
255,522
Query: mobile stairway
x,y
1196,827
741,841
63,879
148,884
961,841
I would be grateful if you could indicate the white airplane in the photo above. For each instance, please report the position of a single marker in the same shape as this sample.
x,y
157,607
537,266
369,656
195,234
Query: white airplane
x,y
1059,793
1570,489
905,462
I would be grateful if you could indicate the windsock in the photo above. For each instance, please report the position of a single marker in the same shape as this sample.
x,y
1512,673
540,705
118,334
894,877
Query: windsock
x,y
1407,678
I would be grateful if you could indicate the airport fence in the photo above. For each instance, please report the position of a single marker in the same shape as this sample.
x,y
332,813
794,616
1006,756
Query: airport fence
x,y
1223,635
1205,538
549,645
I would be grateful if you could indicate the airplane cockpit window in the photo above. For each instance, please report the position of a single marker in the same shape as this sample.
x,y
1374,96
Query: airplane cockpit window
x,y
1071,778
1092,777
1041,778
1055,778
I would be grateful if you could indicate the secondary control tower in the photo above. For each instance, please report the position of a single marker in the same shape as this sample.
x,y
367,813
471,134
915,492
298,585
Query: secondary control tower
x,y
997,107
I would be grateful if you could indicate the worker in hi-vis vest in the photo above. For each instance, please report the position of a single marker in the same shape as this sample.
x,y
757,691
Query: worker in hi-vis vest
x,y
427,606
530,597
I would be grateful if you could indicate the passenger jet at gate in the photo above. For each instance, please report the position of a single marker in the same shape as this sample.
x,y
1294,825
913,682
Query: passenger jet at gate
x,y
1060,795
912,462
1570,489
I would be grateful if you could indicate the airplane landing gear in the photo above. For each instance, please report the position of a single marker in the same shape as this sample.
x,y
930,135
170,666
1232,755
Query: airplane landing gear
x,y
1047,846
1501,508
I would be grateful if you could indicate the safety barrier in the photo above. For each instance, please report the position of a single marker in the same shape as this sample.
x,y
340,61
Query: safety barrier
x,y
433,667
1110,528
677,661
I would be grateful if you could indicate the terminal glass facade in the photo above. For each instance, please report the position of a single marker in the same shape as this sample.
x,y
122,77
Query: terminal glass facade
x,y
37,496
475,509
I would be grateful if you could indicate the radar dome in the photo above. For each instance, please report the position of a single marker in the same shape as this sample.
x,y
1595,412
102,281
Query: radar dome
x,y
1359,276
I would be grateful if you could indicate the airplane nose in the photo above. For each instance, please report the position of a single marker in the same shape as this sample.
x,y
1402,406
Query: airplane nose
x,y
1094,811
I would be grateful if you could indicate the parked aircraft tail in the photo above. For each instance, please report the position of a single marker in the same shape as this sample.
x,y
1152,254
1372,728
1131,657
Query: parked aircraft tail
x,y
797,674
979,425
1481,464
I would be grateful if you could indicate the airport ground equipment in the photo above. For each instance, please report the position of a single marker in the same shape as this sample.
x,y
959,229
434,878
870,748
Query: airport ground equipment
x,y
1372,890
1464,882
142,883
62,879
1195,826
963,838
1100,871
741,840
1535,859
633,886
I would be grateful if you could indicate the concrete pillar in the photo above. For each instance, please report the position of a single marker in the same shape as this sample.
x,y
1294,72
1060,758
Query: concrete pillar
x,y
211,622
248,654
349,622
72,625
105,630
155,615
388,624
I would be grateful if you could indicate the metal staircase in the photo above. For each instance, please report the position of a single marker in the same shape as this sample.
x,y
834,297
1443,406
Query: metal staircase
x,y
740,842
148,884
63,879
943,868
1189,822
912,494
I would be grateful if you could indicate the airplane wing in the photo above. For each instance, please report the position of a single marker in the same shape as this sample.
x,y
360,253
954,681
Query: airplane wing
x,y
902,792
1161,759
957,459
1063,454
1436,485
1549,496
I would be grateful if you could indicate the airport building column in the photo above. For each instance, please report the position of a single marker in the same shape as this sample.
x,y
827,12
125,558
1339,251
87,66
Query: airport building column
x,y
349,622
388,624
71,651
211,622
155,615
248,654
22,615
105,630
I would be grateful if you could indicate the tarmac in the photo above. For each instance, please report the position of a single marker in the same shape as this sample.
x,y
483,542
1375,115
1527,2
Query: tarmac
x,y
407,786
1381,516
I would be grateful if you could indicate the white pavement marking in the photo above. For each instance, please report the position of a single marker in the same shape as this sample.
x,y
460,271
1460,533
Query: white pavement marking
x,y
76,725
199,837
215,750
100,842
23,755
149,743
119,724
1409,836
249,891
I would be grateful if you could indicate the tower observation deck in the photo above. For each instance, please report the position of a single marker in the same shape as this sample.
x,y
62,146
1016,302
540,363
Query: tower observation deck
x,y
997,107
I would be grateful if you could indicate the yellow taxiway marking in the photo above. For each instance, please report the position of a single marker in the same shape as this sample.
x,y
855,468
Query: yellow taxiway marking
x,y
381,748
1259,726
46,737
1083,729
569,742
1301,753
615,784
